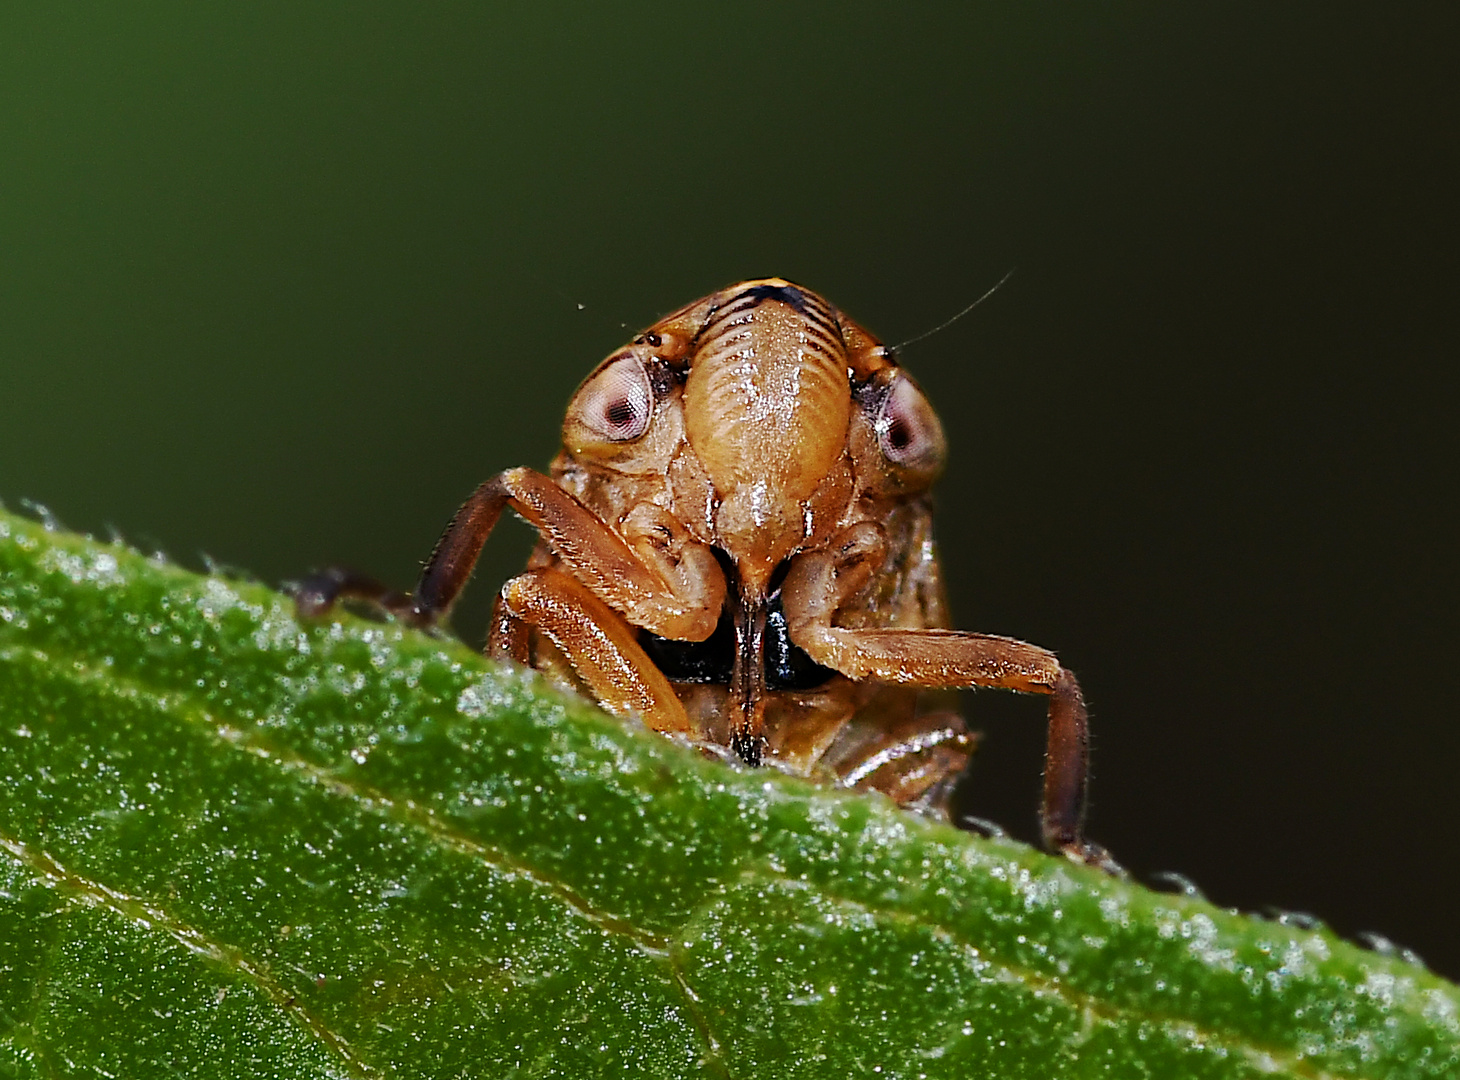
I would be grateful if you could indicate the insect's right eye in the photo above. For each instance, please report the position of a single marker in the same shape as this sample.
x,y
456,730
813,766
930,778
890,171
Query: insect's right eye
x,y
908,430
616,403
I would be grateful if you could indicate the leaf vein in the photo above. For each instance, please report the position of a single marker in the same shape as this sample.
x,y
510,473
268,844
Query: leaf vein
x,y
150,917
1259,1057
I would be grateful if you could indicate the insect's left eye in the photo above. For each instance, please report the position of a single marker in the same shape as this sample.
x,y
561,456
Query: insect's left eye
x,y
908,430
616,403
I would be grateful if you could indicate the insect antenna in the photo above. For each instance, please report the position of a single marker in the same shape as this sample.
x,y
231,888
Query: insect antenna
x,y
944,326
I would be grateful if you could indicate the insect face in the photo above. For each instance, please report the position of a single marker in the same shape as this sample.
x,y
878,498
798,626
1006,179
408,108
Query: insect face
x,y
766,410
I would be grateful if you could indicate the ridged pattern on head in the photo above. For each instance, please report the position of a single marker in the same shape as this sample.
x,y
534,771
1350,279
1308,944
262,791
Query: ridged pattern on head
x,y
767,405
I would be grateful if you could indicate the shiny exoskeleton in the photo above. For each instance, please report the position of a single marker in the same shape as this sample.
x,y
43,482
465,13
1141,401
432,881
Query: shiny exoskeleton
x,y
736,547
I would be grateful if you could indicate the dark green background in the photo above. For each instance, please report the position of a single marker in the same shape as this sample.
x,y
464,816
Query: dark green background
x,y
282,282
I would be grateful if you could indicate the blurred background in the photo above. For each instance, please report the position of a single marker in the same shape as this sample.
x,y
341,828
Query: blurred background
x,y
282,282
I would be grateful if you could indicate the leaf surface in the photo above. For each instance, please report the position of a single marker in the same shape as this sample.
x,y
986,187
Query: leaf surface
x,y
233,844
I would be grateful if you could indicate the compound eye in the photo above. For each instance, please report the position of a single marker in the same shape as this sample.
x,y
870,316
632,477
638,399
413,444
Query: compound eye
x,y
617,403
908,430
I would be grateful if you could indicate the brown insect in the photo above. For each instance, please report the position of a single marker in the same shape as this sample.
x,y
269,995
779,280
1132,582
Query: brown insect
x,y
736,547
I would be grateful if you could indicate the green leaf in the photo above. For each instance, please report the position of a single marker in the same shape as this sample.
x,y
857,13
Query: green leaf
x,y
235,845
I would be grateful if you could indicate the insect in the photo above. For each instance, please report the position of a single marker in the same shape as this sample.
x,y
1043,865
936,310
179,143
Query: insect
x,y
736,547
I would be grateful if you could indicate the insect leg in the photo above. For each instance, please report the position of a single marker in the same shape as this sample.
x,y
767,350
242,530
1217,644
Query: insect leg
x,y
445,573
319,592
658,577
654,573
914,761
956,658
816,588
595,639
509,641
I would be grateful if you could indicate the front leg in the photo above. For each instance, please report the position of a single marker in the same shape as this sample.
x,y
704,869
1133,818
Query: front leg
x,y
667,583
655,574
603,650
819,584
